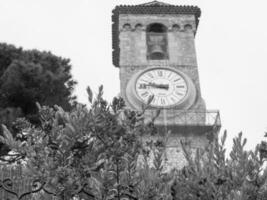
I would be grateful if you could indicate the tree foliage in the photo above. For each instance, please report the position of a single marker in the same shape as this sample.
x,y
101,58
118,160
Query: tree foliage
x,y
30,76
210,175
94,150
98,153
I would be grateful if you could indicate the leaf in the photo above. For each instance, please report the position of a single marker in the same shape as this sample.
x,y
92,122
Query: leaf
x,y
38,106
8,138
244,142
90,94
223,139
100,92
156,115
150,99
70,127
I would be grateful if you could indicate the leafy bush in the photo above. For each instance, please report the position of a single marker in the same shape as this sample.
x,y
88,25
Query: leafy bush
x,y
95,151
210,175
98,153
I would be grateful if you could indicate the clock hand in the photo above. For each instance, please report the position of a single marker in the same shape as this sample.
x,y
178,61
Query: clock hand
x,y
160,86
154,85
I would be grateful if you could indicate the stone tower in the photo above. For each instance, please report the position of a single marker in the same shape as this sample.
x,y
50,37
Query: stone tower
x,y
154,48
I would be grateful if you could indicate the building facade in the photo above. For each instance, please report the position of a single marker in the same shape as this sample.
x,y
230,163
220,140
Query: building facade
x,y
154,49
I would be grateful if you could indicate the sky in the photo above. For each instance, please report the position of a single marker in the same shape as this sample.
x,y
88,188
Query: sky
x,y
231,45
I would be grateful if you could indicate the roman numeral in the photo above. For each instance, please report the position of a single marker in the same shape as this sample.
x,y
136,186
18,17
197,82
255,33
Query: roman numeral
x,y
154,100
142,86
150,75
145,94
160,73
143,80
178,93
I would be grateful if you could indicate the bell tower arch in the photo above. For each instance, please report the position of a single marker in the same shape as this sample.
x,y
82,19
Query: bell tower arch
x,y
157,42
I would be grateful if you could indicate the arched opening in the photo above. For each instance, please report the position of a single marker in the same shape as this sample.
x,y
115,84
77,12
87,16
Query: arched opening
x,y
157,44
127,27
175,27
156,28
188,27
138,27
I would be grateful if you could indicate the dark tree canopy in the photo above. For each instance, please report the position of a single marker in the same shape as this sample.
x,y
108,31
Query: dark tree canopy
x,y
30,76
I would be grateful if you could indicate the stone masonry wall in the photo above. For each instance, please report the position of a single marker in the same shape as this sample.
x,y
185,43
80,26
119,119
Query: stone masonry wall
x,y
174,154
180,41
181,30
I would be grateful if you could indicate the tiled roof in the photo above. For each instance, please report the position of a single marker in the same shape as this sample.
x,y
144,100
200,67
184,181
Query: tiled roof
x,y
154,3
157,7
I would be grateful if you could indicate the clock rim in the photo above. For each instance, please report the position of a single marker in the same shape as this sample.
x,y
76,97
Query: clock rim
x,y
135,101
162,68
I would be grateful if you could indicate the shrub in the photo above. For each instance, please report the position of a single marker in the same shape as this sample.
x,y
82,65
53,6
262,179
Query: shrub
x,y
93,151
98,153
210,175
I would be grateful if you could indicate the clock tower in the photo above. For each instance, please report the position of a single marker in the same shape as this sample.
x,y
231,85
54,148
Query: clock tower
x,y
154,49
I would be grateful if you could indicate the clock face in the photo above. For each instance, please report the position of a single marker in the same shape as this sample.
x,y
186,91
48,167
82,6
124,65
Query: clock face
x,y
167,86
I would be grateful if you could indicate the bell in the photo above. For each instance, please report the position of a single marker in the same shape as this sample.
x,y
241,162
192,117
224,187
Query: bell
x,y
156,49
156,45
